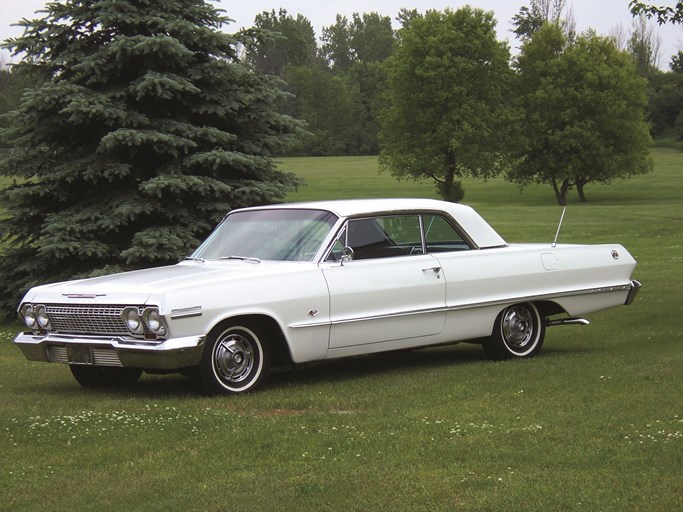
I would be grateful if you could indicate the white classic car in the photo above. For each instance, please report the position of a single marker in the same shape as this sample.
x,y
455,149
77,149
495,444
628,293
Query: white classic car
x,y
293,283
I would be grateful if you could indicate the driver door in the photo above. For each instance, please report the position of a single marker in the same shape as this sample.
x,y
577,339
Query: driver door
x,y
389,290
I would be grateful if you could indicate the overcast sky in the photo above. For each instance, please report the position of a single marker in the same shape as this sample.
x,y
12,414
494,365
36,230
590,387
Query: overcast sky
x,y
602,15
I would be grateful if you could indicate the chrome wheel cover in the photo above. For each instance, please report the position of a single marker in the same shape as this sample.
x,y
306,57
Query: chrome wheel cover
x,y
518,328
234,358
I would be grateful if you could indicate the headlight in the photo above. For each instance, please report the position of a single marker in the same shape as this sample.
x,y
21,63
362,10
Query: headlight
x,y
40,313
153,321
28,316
131,315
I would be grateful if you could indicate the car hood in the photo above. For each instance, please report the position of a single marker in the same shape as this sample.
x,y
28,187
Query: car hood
x,y
138,286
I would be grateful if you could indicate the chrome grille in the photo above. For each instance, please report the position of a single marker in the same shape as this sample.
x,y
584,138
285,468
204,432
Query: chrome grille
x,y
86,319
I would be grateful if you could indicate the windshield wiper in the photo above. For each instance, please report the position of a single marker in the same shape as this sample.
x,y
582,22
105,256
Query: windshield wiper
x,y
243,258
192,258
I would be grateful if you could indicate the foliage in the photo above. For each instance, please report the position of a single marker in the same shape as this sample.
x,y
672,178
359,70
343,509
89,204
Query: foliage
x,y
583,108
662,14
666,103
643,45
283,41
340,109
336,48
372,37
367,38
447,93
368,41
324,101
13,83
338,93
529,20
145,132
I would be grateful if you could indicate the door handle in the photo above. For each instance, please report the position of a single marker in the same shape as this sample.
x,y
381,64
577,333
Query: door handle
x,y
436,270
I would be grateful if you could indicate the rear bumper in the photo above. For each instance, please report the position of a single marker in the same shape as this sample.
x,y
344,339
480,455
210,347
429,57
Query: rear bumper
x,y
171,354
635,288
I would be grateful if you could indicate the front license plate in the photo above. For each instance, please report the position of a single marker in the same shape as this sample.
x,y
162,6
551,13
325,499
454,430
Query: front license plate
x,y
79,354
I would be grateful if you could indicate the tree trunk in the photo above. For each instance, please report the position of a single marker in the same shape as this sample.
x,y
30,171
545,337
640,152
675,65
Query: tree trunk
x,y
579,188
449,188
561,191
448,184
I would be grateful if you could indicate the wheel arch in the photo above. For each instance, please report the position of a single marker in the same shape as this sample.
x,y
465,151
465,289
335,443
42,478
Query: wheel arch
x,y
281,354
548,308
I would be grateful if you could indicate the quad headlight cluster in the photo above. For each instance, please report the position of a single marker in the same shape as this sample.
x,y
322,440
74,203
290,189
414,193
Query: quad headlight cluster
x,y
35,317
149,318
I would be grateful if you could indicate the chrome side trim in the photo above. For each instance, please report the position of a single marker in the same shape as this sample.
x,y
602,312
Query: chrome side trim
x,y
369,318
309,324
473,305
186,312
546,296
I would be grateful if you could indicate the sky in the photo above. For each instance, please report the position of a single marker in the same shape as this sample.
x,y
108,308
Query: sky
x,y
601,15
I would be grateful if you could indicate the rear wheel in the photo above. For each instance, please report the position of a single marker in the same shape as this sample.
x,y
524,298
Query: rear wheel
x,y
518,333
236,360
103,376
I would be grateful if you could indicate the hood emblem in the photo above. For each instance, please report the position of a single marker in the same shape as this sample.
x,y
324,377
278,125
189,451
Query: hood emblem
x,y
83,295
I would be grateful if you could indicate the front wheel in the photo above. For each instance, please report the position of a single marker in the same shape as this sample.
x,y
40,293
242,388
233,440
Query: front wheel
x,y
518,333
236,360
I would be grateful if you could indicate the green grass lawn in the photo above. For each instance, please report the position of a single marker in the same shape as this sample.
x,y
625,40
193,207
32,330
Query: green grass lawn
x,y
595,422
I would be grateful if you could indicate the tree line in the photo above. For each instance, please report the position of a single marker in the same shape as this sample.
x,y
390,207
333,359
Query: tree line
x,y
339,82
569,110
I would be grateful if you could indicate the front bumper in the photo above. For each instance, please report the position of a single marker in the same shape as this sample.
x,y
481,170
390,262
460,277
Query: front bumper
x,y
171,354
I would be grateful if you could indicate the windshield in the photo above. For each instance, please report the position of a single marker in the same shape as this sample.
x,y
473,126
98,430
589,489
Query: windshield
x,y
281,235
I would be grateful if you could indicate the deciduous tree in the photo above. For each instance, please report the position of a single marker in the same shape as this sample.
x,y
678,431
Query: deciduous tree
x,y
372,37
448,81
531,18
584,108
644,46
666,104
283,41
336,48
663,14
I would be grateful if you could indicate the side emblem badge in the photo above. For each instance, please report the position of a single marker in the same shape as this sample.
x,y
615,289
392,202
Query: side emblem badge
x,y
313,312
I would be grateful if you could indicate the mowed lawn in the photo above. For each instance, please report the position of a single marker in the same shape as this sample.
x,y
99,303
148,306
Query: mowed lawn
x,y
595,422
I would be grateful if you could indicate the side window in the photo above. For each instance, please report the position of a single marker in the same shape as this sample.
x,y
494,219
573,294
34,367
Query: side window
x,y
385,237
390,236
441,236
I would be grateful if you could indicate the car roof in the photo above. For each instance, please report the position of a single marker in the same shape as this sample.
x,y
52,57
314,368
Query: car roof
x,y
481,233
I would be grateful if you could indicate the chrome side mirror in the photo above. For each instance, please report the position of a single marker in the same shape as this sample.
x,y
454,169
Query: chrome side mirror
x,y
346,254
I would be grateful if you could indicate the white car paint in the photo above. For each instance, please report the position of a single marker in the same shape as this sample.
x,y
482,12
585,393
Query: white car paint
x,y
326,309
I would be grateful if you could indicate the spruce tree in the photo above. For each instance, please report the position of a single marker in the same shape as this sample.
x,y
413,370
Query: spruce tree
x,y
145,131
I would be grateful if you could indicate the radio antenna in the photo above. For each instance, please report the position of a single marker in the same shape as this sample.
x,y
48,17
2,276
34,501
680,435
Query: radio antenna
x,y
554,244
